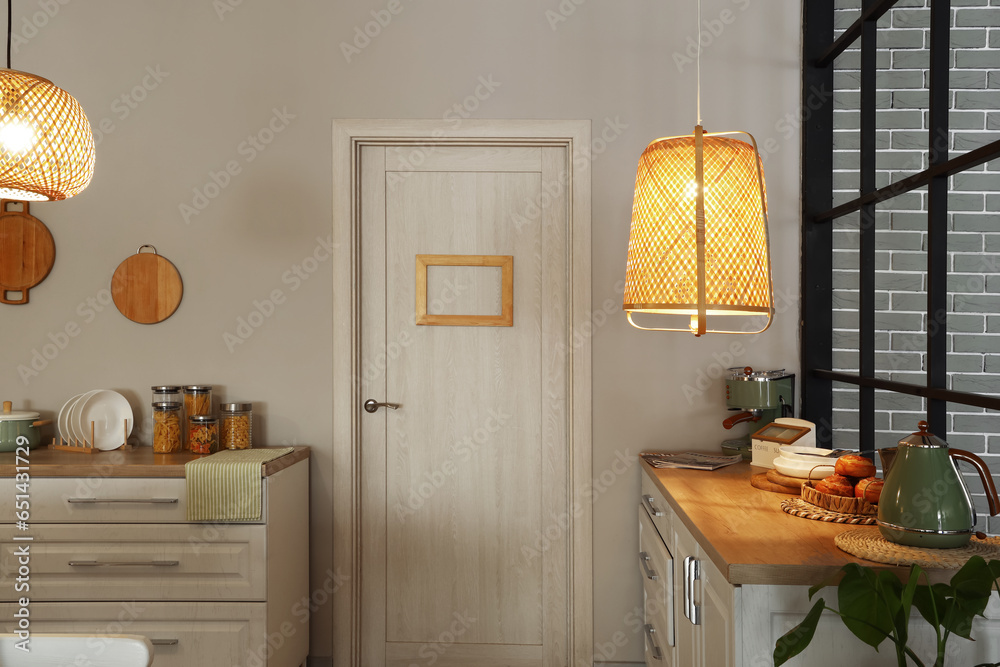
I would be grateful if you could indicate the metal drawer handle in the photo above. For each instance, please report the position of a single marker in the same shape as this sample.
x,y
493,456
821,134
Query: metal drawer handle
x,y
650,631
648,501
644,561
120,563
692,572
164,642
153,501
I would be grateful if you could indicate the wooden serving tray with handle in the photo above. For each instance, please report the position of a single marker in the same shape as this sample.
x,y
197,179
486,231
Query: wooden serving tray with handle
x,y
27,252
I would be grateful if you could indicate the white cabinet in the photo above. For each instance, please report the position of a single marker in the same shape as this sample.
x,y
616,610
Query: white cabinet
x,y
117,555
709,622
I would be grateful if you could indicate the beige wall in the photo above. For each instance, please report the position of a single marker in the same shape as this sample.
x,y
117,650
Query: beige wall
x,y
177,91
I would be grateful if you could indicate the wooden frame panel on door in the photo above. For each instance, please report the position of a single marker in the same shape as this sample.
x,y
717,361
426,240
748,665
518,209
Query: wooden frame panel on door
x,y
350,139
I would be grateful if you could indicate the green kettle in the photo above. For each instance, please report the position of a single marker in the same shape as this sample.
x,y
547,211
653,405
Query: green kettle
x,y
924,501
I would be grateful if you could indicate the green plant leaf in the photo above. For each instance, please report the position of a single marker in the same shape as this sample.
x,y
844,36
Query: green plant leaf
x,y
931,602
832,580
862,606
795,640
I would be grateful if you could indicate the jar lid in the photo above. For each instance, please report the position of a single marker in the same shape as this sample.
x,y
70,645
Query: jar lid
x,y
236,407
18,416
923,438
198,388
166,389
202,419
167,405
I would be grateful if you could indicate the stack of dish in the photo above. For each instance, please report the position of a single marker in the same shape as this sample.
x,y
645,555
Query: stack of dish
x,y
797,461
108,412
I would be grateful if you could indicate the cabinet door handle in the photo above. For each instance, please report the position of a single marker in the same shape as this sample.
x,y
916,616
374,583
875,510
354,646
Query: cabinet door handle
x,y
94,501
648,501
164,642
644,561
650,631
120,563
692,572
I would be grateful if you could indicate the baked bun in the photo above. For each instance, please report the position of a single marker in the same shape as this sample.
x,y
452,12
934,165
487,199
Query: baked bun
x,y
870,488
836,485
854,465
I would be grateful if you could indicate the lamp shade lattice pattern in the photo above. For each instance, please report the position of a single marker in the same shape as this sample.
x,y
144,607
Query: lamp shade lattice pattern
x,y
662,273
46,145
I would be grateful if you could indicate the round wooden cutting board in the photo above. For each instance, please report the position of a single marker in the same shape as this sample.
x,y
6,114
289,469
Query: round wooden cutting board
x,y
27,252
146,287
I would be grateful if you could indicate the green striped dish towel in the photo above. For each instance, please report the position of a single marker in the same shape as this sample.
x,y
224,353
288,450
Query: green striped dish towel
x,y
226,486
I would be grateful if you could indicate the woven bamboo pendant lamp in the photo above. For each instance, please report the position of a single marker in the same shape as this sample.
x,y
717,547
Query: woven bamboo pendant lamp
x,y
46,146
698,244
698,247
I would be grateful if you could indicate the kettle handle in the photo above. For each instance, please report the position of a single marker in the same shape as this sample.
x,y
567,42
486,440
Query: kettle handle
x,y
984,474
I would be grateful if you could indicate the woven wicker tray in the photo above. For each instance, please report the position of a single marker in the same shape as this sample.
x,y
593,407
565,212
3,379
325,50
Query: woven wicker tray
x,y
799,507
870,545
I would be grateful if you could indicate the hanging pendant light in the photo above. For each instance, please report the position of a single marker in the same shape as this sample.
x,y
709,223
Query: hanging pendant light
x,y
698,244
46,145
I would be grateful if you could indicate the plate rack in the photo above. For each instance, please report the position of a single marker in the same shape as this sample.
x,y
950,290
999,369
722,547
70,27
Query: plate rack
x,y
85,447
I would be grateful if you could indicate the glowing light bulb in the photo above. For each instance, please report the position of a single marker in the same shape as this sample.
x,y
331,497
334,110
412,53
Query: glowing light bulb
x,y
17,137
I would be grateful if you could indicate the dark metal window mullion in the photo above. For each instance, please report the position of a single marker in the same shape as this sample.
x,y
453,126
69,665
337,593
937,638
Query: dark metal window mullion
x,y
937,215
817,239
866,307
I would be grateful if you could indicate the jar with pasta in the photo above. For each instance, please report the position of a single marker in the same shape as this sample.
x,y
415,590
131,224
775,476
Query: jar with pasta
x,y
237,425
197,401
203,434
167,427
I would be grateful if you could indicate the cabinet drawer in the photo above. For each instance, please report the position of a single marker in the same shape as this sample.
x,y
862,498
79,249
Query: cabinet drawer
x,y
137,562
659,511
656,569
183,635
103,500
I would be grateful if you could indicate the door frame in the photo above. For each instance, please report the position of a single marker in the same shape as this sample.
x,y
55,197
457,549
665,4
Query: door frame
x,y
349,137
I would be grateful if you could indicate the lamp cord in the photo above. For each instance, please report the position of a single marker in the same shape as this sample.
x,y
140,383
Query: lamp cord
x,y
697,61
9,14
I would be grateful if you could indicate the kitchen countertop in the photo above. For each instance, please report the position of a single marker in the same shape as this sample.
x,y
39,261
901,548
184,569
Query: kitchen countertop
x,y
138,462
747,536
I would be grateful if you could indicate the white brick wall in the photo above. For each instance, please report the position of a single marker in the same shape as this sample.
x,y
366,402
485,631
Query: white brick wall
x,y
974,226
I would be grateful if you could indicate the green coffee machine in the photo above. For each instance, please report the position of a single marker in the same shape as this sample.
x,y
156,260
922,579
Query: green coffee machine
x,y
758,398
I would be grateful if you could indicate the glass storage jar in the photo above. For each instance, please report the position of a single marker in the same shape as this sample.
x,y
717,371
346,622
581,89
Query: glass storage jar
x,y
198,399
167,394
237,425
203,434
167,437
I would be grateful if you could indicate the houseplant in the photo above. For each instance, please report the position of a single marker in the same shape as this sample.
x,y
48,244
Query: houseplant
x,y
876,605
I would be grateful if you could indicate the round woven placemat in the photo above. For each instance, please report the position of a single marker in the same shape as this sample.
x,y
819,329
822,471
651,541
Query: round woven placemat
x,y
799,507
870,545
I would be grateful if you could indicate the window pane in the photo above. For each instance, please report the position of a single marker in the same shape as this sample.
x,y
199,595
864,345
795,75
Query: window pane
x,y
845,416
845,293
901,98
900,288
973,297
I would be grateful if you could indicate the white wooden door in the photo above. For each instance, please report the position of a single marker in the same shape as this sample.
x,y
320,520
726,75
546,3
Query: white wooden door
x,y
468,538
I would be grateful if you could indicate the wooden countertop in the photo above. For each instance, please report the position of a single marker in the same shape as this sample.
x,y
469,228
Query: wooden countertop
x,y
747,536
139,462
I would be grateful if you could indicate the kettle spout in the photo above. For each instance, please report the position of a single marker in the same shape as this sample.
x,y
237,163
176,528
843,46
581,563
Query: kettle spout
x,y
748,416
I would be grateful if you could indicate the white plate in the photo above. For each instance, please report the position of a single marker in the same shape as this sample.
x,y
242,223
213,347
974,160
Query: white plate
x,y
796,469
63,420
111,415
73,421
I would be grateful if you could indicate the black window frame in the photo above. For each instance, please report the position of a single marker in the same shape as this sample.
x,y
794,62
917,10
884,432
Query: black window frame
x,y
820,49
